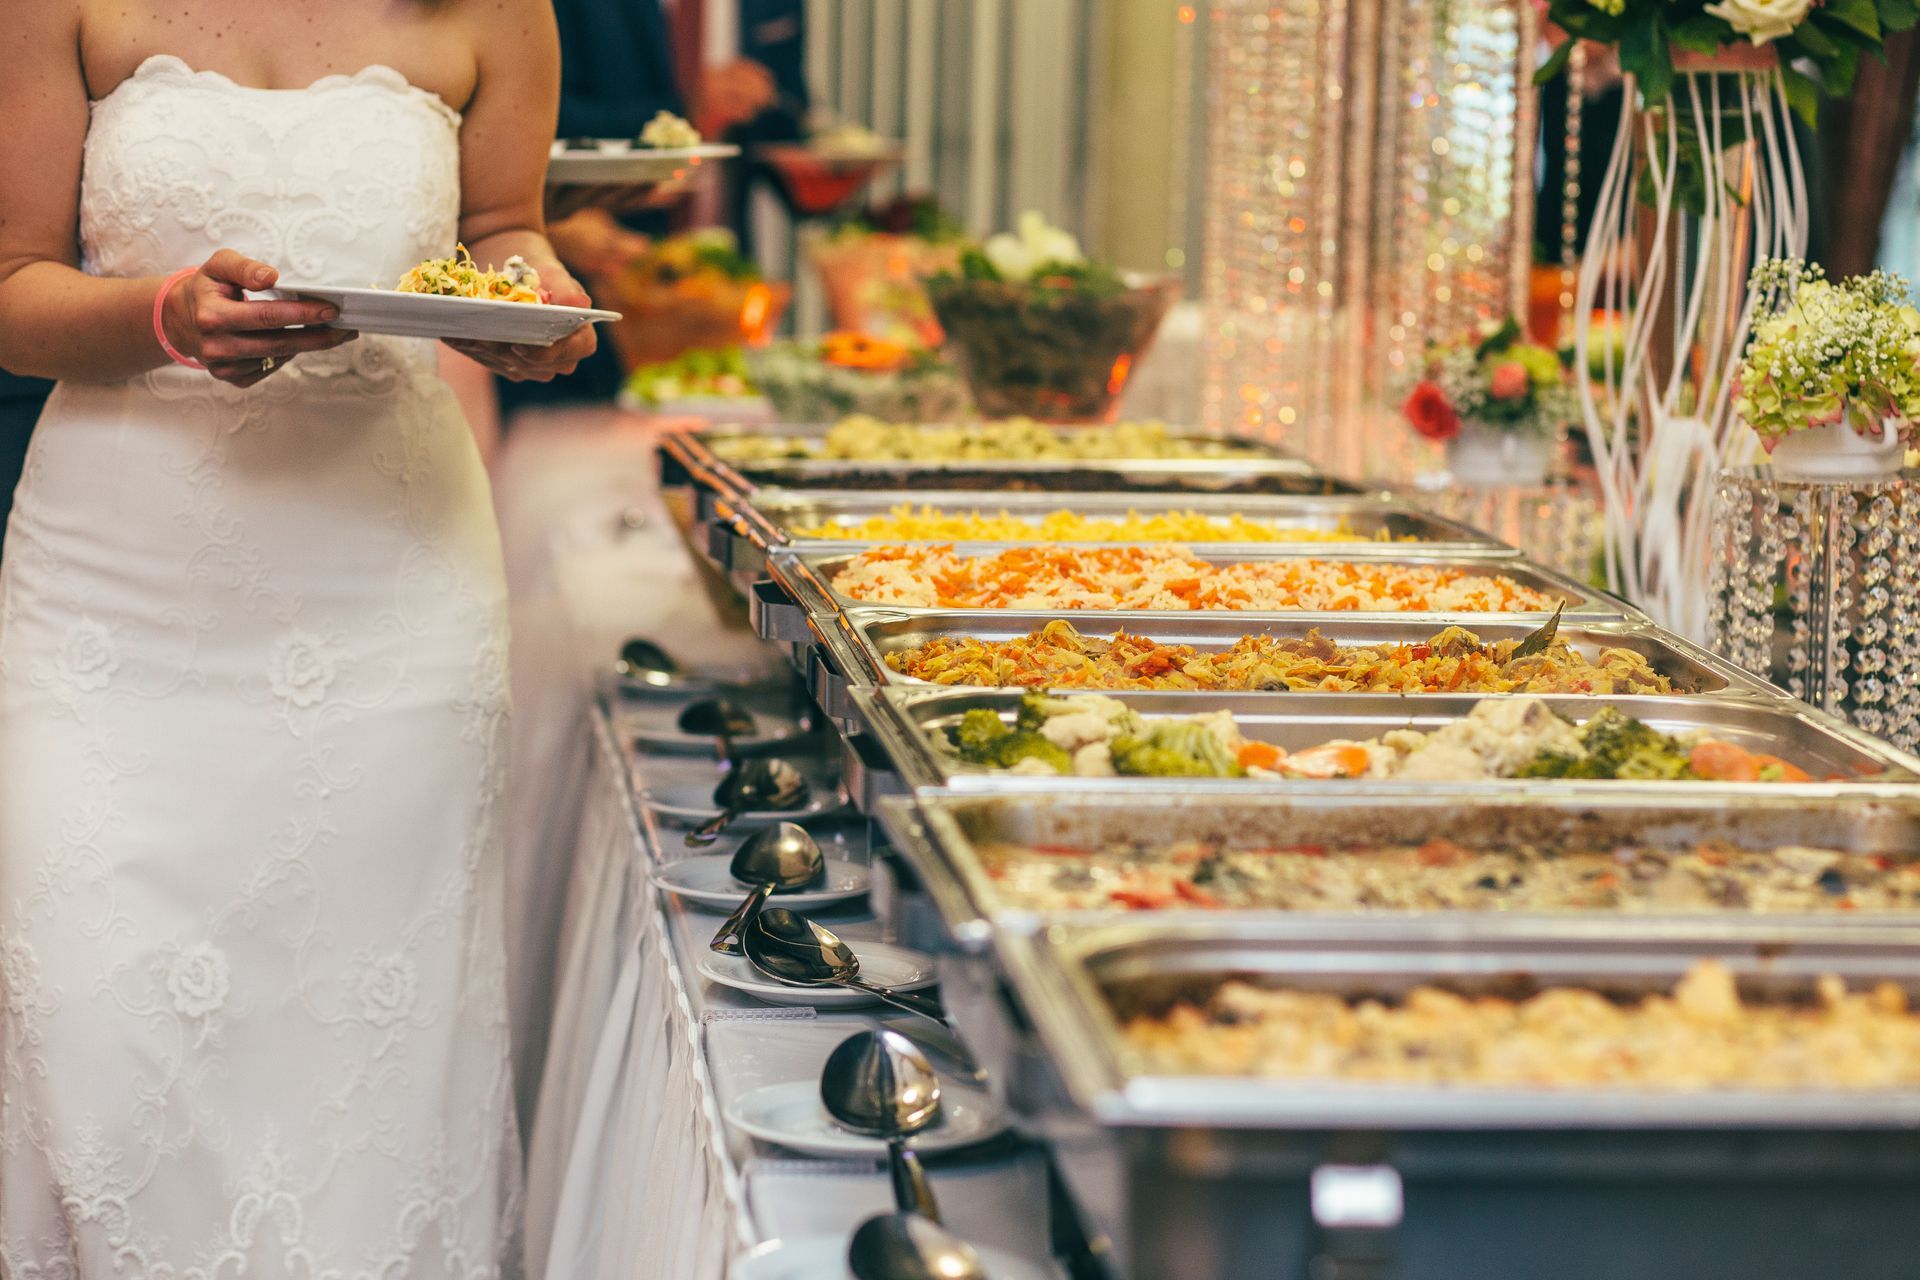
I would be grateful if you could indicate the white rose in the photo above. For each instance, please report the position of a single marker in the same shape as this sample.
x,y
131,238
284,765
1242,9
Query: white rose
x,y
387,989
302,669
1047,244
1009,257
197,980
88,657
1761,20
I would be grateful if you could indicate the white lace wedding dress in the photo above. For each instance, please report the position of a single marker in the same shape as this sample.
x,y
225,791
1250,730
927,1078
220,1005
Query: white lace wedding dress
x,y
252,702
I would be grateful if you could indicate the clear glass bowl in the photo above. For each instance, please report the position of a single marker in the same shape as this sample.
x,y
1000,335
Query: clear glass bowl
x,y
1056,355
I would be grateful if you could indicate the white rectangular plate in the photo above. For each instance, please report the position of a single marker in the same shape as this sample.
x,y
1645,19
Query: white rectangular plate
x,y
426,315
614,163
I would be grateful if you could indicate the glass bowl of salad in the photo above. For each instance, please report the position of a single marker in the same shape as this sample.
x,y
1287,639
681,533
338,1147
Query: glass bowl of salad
x,y
1040,332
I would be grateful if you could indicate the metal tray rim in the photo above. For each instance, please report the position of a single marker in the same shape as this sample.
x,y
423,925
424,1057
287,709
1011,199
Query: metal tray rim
x,y
799,573
857,652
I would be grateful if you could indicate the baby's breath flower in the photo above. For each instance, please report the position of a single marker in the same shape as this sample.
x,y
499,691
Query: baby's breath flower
x,y
1823,352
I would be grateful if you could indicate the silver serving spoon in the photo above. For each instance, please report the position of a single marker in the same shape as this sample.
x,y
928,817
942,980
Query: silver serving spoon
x,y
907,1246
720,718
781,857
790,948
878,1085
755,786
644,662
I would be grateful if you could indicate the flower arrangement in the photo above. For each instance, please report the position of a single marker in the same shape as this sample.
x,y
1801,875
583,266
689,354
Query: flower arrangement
x,y
1828,36
1825,353
1496,381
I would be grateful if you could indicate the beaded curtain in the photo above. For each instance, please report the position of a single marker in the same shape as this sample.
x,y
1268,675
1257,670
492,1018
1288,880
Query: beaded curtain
x,y
1368,190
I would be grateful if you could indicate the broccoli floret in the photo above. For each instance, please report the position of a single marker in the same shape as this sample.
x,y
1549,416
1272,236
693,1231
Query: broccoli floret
x,y
978,735
1035,708
1618,746
1174,751
1552,764
1612,739
1025,744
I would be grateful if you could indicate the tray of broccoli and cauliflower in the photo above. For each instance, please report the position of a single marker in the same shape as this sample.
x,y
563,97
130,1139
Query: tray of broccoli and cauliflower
x,y
963,737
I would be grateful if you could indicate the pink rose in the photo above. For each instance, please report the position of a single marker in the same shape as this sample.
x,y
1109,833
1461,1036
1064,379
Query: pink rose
x,y
1509,382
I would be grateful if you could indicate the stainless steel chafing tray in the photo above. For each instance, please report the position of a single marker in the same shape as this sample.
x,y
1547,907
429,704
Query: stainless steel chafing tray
x,y
808,577
773,518
1250,467
911,728
1233,1176
940,832
863,638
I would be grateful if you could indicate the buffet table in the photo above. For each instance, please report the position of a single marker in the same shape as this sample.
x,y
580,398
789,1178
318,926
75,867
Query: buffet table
x,y
1601,815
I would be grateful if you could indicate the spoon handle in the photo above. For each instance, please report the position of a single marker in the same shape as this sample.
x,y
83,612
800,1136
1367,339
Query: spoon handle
x,y
727,940
911,1194
907,1000
709,831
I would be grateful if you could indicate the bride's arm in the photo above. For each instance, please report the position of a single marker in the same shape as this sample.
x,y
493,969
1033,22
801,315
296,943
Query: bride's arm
x,y
504,141
56,321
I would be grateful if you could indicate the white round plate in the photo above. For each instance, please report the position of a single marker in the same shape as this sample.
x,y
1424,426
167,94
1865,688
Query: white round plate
x,y
618,162
429,315
791,1115
706,881
680,789
887,966
655,724
825,1258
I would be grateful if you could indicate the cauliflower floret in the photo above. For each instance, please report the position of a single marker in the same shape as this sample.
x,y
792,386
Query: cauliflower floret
x,y
1077,729
1033,767
1095,760
1221,725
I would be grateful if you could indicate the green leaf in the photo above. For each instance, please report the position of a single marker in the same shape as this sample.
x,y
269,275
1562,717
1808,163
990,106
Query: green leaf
x,y
1811,41
1838,75
1556,64
1499,340
1701,33
1645,55
1898,15
1862,15
1803,95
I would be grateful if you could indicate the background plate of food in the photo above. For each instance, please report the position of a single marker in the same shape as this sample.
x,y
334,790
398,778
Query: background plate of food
x,y
455,298
620,162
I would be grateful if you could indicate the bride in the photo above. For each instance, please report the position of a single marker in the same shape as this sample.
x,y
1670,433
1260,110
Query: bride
x,y
252,646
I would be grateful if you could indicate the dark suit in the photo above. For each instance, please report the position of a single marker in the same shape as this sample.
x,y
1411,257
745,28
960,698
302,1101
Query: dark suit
x,y
21,400
616,71
773,33
616,67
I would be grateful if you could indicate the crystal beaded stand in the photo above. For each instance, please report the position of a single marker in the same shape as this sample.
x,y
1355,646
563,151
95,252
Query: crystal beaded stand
x,y
1813,586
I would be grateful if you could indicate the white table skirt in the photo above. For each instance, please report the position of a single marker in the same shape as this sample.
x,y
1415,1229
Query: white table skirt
x,y
628,1173
581,579
632,1170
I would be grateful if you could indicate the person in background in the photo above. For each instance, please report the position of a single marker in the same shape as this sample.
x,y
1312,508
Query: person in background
x,y
21,400
617,71
773,35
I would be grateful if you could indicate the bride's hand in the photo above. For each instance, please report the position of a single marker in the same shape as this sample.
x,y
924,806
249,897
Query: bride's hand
x,y
518,363
209,318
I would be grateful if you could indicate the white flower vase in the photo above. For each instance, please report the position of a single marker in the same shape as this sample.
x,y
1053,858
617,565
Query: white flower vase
x,y
1483,458
1841,451
1660,426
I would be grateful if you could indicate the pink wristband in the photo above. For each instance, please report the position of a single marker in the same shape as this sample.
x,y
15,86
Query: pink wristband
x,y
159,330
